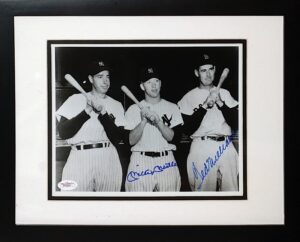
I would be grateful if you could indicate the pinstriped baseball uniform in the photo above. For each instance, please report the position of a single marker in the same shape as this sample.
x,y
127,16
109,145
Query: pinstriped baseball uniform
x,y
213,124
96,169
146,173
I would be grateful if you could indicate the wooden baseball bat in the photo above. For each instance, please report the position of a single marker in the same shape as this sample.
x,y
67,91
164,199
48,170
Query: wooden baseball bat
x,y
75,84
221,81
133,98
222,78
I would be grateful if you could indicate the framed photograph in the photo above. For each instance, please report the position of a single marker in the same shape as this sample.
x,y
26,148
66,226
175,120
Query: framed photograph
x,y
143,177
151,117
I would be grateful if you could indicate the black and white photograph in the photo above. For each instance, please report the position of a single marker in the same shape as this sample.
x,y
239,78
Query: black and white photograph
x,y
128,119
149,120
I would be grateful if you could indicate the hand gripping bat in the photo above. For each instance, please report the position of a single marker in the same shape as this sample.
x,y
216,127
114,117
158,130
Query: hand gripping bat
x,y
75,84
212,98
133,98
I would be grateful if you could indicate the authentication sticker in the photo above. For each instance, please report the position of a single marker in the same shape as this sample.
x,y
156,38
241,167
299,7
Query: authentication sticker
x,y
67,185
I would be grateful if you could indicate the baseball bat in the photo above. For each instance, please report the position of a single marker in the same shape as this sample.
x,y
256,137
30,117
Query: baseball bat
x,y
133,98
222,78
221,81
75,84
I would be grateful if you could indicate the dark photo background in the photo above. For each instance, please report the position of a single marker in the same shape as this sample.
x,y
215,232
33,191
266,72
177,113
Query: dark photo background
x,y
175,64
176,69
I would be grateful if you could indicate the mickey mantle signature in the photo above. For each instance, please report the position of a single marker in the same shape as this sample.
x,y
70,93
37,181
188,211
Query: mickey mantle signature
x,y
134,175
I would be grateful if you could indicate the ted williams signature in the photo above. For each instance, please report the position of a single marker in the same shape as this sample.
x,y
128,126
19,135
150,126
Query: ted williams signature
x,y
210,162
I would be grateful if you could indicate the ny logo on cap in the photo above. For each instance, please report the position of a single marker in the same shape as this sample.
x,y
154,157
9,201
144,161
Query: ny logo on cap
x,y
150,70
101,63
206,57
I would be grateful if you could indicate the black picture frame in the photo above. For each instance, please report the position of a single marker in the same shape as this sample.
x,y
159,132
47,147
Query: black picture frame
x,y
9,9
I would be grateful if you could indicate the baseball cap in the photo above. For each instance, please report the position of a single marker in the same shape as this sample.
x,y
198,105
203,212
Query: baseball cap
x,y
95,67
206,59
148,73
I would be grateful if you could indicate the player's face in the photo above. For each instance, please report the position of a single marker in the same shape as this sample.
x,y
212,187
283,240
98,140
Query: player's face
x,y
152,87
207,74
101,81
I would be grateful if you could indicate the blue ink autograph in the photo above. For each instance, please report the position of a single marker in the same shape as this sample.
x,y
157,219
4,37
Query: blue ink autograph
x,y
210,162
133,175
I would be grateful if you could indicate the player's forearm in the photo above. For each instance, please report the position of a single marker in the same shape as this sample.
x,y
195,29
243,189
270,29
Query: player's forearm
x,y
191,122
67,128
177,133
230,115
137,132
114,133
166,132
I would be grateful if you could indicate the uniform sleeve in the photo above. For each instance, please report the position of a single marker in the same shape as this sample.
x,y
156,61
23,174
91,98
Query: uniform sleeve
x,y
114,122
71,107
184,105
230,115
132,117
230,109
176,117
191,122
67,128
192,116
120,118
114,133
227,98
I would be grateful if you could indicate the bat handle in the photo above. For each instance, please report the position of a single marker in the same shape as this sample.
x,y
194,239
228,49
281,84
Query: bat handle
x,y
151,118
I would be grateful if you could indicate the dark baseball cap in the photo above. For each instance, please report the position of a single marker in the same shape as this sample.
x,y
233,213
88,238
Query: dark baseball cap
x,y
148,73
95,67
206,59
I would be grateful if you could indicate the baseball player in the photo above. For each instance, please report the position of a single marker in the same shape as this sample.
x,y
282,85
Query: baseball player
x,y
209,116
93,126
152,165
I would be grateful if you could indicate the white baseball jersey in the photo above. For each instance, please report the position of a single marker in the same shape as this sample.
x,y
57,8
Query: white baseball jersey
x,y
203,175
213,122
97,169
92,130
152,139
